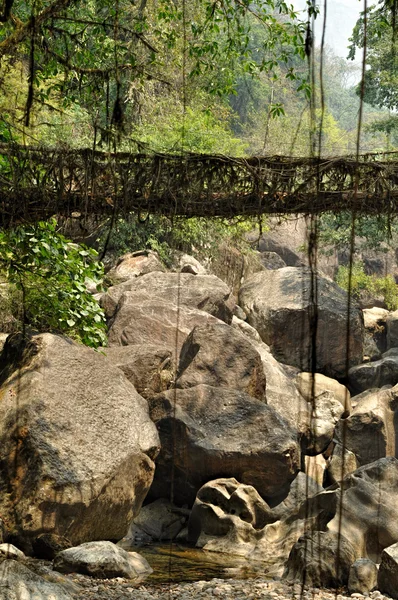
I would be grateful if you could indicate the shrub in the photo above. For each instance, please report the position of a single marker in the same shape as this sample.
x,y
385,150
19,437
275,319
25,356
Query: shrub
x,y
360,282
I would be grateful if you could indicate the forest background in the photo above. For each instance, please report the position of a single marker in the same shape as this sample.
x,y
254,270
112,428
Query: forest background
x,y
226,77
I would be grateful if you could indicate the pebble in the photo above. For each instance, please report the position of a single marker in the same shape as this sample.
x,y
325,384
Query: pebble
x,y
228,589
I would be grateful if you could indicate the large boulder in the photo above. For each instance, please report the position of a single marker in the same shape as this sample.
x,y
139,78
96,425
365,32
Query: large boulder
x,y
363,577
220,356
232,518
387,579
204,292
149,368
135,264
18,582
209,432
321,559
368,517
376,373
375,339
279,305
311,386
370,431
102,560
144,322
392,330
160,520
77,444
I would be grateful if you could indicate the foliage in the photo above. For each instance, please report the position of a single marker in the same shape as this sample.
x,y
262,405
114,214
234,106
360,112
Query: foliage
x,y
200,237
380,86
373,231
360,282
50,274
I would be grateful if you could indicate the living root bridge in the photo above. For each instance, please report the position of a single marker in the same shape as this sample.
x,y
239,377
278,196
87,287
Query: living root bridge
x,y
36,183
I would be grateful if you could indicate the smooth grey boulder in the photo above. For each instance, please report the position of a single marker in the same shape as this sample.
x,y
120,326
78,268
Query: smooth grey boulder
x,y
208,432
102,560
141,321
203,292
375,340
363,577
320,559
18,582
272,260
370,432
372,374
160,520
279,305
218,355
135,264
387,579
77,445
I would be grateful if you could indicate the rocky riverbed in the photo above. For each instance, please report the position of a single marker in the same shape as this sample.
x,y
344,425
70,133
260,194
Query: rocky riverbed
x,y
230,589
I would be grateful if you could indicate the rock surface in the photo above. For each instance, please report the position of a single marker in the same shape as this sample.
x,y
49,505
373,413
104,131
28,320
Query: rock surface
x,y
209,432
160,520
102,560
313,562
307,387
370,430
135,264
148,368
77,444
17,582
278,305
220,356
363,577
387,579
372,374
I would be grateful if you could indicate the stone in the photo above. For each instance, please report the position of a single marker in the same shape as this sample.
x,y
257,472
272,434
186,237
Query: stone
x,y
278,304
375,340
326,412
315,467
102,560
370,431
143,322
66,470
18,582
47,545
11,552
189,264
339,392
135,264
218,355
387,580
342,462
233,519
3,337
363,577
149,368
376,373
161,520
302,487
320,559
209,432
369,516
203,292
374,317
392,330
272,260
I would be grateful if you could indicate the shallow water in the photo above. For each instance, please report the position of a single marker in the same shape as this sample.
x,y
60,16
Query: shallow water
x,y
174,563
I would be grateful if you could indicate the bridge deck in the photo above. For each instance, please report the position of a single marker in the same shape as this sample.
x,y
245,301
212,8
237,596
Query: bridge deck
x,y
37,183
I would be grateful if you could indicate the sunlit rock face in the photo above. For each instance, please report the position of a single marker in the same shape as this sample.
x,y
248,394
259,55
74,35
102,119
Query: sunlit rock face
x,y
77,444
279,305
208,432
